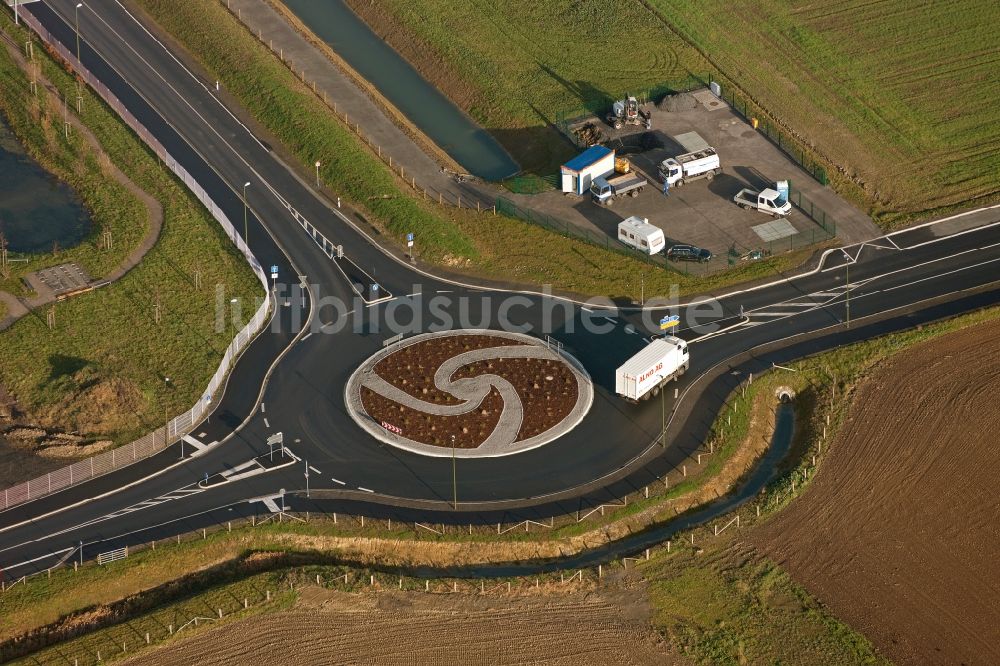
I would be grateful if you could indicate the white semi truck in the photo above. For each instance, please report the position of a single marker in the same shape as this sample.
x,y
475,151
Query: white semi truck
x,y
647,372
690,166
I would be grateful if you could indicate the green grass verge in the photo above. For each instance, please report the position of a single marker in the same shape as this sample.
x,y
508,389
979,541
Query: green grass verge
x,y
300,120
483,244
101,370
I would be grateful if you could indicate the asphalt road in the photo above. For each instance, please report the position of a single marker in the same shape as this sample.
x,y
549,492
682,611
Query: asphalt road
x,y
893,283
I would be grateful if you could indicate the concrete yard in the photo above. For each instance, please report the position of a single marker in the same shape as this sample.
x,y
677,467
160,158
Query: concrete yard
x,y
702,212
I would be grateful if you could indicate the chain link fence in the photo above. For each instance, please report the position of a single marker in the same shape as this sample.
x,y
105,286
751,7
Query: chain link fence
x,y
161,438
791,146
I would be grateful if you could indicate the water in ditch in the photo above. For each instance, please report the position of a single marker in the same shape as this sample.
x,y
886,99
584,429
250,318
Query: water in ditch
x,y
423,104
764,472
37,210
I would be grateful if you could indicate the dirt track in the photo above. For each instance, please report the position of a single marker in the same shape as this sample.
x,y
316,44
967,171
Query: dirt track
x,y
898,533
332,627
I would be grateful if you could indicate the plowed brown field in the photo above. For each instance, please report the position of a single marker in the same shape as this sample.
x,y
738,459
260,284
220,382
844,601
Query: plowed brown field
x,y
331,627
898,533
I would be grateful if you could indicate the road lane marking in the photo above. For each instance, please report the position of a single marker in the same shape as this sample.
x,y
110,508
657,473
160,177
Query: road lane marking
x,y
40,557
306,337
367,490
266,424
194,442
314,469
271,506
261,408
338,481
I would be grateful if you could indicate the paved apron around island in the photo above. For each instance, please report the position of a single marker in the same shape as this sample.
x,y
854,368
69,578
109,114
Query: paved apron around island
x,y
471,391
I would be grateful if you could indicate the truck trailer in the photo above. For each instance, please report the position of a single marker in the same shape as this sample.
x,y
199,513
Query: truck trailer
x,y
605,190
637,232
643,375
690,166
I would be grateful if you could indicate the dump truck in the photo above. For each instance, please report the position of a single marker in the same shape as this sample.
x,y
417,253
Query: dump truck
x,y
643,375
605,190
627,112
690,166
768,200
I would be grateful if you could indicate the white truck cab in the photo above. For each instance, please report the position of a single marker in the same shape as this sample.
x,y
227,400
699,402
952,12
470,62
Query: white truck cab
x,y
768,200
675,171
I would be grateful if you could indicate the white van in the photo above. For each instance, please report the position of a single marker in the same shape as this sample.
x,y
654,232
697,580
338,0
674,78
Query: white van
x,y
637,232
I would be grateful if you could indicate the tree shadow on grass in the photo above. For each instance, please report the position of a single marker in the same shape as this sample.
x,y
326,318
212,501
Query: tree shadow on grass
x,y
62,365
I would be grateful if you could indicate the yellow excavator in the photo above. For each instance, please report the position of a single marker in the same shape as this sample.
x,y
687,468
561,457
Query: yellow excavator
x,y
627,112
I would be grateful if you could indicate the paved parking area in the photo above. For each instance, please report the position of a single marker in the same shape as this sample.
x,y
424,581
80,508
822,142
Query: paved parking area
x,y
702,212
58,280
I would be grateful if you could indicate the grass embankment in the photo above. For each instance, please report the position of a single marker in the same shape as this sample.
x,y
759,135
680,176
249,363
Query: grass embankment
x,y
482,244
913,123
101,369
516,66
36,120
716,608
43,600
728,607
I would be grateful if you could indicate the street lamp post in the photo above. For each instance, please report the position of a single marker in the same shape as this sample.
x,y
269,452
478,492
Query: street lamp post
x,y
454,476
848,294
76,13
246,238
663,418
318,163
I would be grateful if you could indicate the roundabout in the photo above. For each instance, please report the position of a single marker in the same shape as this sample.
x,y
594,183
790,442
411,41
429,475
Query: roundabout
x,y
469,393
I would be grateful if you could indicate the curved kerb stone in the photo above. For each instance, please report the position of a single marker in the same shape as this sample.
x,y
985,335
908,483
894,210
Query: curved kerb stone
x,y
471,391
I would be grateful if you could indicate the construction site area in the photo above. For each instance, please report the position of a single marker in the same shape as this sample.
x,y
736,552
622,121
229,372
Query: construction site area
x,y
709,155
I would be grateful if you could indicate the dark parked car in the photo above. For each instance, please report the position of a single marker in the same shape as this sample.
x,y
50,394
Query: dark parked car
x,y
688,253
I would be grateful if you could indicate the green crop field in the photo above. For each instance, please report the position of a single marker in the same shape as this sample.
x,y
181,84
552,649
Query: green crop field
x,y
901,94
515,66
898,96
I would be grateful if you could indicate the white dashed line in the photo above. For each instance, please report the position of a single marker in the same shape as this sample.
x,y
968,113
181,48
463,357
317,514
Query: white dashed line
x,y
314,469
266,424
338,481
367,490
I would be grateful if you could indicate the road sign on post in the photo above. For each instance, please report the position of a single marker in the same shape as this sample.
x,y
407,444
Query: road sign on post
x,y
409,240
274,272
669,322
276,438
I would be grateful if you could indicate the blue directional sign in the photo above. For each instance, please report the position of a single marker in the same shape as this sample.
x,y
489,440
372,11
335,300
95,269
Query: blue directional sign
x,y
375,287
409,238
274,271
670,321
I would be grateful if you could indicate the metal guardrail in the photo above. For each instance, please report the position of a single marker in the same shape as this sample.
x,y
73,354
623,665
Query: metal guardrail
x,y
161,438
112,555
